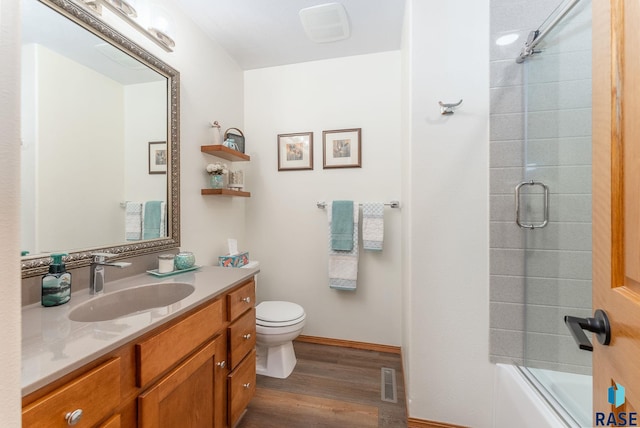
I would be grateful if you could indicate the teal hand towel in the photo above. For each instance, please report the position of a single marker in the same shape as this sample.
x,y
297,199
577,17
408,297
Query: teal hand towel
x,y
342,225
152,220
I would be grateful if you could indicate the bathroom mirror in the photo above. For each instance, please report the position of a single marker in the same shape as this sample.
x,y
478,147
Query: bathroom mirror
x,y
100,140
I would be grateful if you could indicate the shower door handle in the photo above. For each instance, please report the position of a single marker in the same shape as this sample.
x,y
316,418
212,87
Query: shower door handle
x,y
599,325
545,207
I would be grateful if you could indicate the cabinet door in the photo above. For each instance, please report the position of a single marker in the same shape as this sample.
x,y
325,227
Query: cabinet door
x,y
186,396
220,386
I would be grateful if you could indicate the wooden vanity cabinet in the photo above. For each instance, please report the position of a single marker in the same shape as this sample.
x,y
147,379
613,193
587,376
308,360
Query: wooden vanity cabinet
x,y
179,374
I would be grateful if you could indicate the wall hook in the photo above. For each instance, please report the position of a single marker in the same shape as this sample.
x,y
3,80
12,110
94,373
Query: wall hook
x,y
448,108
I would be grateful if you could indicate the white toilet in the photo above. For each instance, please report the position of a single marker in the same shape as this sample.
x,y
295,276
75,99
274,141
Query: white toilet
x,y
277,325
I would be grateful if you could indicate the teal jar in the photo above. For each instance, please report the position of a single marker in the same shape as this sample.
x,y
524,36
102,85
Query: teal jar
x,y
184,260
216,181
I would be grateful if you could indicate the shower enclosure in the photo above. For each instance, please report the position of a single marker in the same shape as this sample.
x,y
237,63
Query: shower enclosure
x,y
557,152
551,219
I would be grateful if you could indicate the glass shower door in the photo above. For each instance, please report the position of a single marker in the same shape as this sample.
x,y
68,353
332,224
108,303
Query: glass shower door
x,y
557,257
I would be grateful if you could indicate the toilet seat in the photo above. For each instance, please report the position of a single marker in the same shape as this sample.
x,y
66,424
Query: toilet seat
x,y
279,314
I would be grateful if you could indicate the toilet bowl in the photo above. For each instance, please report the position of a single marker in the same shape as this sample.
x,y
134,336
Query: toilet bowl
x,y
278,323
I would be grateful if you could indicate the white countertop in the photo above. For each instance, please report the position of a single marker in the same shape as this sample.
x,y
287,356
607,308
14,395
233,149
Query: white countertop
x,y
53,345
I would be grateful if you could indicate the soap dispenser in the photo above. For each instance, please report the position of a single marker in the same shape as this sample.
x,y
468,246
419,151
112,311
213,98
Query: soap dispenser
x,y
56,285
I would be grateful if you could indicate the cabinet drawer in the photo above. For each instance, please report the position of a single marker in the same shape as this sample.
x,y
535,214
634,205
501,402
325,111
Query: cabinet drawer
x,y
242,387
242,337
159,353
240,300
79,394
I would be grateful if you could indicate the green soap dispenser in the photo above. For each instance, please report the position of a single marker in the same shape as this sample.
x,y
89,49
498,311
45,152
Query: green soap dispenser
x,y
56,285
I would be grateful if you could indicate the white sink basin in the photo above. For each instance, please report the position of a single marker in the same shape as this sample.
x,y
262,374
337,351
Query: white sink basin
x,y
133,300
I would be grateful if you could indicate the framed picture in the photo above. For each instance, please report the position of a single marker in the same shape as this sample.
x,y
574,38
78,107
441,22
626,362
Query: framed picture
x,y
157,157
295,151
341,148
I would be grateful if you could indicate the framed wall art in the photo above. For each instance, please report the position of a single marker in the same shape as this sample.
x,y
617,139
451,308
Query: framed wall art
x,y
157,157
341,148
295,151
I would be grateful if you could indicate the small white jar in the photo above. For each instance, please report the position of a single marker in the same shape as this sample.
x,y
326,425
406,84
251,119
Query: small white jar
x,y
165,263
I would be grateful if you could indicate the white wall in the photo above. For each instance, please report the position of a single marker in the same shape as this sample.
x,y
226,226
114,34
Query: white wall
x,y
286,232
450,377
10,415
406,184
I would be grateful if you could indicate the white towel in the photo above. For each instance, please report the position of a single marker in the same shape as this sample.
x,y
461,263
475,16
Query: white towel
x,y
372,226
163,219
133,221
343,265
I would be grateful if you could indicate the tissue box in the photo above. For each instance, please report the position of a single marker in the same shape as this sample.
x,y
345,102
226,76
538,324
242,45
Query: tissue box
x,y
235,260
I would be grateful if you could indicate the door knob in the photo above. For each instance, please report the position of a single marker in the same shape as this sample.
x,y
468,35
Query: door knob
x,y
599,325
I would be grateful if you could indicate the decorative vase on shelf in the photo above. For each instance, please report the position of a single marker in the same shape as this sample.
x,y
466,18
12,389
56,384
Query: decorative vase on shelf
x,y
216,181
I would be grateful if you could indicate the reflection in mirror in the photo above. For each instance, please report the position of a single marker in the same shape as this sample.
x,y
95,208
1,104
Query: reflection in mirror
x,y
92,101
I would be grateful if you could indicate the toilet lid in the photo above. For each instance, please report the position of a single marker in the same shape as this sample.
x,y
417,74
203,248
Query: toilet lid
x,y
278,312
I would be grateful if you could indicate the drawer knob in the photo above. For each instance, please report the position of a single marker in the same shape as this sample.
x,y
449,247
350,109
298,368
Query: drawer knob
x,y
246,299
222,364
247,336
74,417
247,385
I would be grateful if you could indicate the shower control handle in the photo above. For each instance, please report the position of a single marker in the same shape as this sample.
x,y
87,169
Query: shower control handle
x,y
599,325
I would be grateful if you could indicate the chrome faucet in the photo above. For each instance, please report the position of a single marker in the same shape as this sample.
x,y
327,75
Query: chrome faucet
x,y
96,271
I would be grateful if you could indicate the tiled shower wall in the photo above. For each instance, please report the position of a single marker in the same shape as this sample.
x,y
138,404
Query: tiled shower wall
x,y
539,276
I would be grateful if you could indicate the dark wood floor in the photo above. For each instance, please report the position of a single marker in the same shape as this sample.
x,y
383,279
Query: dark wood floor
x,y
330,387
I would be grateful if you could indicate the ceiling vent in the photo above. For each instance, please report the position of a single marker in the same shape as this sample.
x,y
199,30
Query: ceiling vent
x,y
325,23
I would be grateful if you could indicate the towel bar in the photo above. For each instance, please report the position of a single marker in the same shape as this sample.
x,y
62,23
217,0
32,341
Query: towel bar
x,y
392,204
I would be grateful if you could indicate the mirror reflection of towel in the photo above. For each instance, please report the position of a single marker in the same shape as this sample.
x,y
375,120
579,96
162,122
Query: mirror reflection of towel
x,y
133,221
153,223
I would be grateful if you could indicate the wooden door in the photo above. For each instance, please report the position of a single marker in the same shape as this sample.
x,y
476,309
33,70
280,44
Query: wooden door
x,y
616,202
185,397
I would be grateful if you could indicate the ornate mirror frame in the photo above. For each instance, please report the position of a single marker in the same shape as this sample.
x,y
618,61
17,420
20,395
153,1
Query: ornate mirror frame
x,y
38,265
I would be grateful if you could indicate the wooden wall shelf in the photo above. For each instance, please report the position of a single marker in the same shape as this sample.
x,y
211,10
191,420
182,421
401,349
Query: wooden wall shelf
x,y
225,153
225,192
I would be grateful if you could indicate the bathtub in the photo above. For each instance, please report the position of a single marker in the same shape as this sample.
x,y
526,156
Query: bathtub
x,y
523,402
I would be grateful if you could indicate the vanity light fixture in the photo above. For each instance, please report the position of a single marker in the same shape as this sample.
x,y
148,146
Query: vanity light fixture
x,y
93,5
123,7
160,25
132,12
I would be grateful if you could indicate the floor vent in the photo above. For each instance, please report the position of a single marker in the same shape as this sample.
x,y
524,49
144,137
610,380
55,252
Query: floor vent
x,y
389,386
